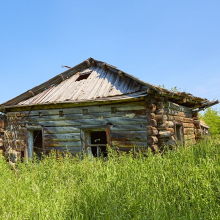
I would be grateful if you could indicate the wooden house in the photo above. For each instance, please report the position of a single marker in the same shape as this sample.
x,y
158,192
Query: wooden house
x,y
94,104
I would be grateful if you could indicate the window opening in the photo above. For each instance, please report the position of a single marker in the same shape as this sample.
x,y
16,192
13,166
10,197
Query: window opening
x,y
85,111
37,143
113,110
98,143
83,76
60,113
179,133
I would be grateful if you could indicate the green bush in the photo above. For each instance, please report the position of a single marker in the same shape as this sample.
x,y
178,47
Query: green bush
x,y
182,184
212,118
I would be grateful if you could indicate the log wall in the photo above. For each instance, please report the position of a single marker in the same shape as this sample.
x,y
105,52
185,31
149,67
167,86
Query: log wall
x,y
62,127
2,126
169,113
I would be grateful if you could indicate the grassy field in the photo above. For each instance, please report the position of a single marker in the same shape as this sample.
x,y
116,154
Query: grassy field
x,y
182,184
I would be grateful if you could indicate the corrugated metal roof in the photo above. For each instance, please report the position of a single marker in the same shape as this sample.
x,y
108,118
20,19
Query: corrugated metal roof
x,y
99,84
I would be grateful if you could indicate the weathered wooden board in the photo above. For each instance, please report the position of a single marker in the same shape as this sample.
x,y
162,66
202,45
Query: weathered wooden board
x,y
60,130
128,143
100,121
132,127
72,150
175,112
62,137
128,136
62,144
130,114
174,106
190,136
188,130
139,105
188,125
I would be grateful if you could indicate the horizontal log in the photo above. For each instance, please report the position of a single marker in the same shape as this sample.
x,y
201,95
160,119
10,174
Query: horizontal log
x,y
62,137
128,143
154,147
152,131
163,134
195,114
178,119
128,149
198,132
187,120
150,115
100,121
195,118
190,141
170,124
151,107
196,123
128,136
170,118
133,127
139,105
172,105
72,150
162,126
151,140
159,111
160,105
188,131
61,130
171,130
188,125
153,122
190,136
161,118
177,113
62,144
126,114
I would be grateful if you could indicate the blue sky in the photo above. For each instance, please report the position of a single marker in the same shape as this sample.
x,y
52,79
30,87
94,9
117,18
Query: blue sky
x,y
175,43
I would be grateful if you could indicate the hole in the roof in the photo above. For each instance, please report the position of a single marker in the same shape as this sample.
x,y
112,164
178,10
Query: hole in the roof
x,y
83,76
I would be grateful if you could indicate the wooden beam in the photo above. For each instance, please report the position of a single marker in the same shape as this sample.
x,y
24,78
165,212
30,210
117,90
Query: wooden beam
x,y
108,135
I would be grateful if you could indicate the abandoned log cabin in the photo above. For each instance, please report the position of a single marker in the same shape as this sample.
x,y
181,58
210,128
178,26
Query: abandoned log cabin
x,y
94,104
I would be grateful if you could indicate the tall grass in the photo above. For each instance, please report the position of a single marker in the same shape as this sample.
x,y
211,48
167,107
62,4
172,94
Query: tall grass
x,y
182,184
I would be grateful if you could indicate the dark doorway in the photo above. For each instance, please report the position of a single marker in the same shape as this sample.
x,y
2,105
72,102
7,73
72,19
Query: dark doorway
x,y
99,138
179,133
37,143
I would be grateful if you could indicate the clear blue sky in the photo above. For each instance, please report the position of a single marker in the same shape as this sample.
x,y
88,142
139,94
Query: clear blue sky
x,y
175,43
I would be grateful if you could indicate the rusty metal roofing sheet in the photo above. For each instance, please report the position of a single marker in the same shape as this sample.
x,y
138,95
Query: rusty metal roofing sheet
x,y
99,84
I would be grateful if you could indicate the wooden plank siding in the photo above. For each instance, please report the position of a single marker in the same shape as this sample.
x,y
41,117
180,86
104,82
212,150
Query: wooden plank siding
x,y
126,124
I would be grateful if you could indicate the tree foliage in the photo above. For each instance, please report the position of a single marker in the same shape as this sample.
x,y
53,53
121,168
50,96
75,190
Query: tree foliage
x,y
212,118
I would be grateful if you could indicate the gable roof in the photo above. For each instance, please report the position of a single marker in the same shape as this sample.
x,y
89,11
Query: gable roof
x,y
103,83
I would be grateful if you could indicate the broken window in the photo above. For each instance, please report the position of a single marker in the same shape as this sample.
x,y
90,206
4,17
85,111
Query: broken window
x,y
97,143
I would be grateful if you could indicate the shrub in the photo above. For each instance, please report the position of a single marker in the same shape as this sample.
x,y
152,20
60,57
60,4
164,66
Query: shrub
x,y
212,118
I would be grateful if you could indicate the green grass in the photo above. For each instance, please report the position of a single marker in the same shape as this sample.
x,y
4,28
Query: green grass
x,y
181,184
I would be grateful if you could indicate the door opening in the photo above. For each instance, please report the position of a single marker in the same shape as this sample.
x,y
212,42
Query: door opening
x,y
98,143
35,143
179,133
